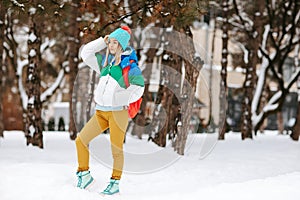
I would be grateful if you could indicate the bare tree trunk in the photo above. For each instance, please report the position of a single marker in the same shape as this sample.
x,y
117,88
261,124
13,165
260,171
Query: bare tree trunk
x,y
192,68
33,127
213,22
246,126
159,124
2,28
139,120
73,43
263,102
251,77
187,107
280,121
159,116
171,79
296,129
91,96
223,83
10,79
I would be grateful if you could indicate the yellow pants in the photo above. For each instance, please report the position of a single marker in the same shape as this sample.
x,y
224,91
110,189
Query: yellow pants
x,y
117,122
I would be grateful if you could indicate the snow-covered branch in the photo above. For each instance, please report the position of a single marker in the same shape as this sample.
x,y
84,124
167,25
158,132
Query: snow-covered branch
x,y
271,106
24,96
259,88
292,80
296,55
264,40
246,52
246,22
127,20
20,5
235,24
47,44
50,91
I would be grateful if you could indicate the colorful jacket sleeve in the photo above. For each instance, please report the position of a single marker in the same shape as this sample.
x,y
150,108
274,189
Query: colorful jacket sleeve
x,y
88,53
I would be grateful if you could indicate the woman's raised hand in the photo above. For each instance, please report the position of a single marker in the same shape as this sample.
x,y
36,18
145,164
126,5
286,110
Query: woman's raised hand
x,y
106,39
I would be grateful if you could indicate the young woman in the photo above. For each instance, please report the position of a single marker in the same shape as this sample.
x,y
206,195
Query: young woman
x,y
121,83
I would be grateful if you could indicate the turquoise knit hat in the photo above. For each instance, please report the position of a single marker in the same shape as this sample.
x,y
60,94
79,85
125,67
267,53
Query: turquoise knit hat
x,y
122,35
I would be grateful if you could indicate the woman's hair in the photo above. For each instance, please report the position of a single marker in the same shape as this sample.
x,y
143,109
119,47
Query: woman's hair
x,y
118,53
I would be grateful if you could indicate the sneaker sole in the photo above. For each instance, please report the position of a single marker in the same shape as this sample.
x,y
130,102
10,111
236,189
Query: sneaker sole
x,y
117,193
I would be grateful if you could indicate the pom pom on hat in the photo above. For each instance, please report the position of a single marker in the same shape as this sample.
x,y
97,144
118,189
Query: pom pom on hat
x,y
126,28
122,35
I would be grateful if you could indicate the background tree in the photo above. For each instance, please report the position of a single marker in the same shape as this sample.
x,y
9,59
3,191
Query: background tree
x,y
223,84
74,44
3,9
296,129
17,56
282,32
266,33
10,68
183,14
33,128
252,32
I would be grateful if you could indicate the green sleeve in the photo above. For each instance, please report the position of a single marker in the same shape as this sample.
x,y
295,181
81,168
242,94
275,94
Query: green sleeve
x,y
99,60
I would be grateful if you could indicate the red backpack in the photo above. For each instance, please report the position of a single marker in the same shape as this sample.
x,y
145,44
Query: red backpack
x,y
133,107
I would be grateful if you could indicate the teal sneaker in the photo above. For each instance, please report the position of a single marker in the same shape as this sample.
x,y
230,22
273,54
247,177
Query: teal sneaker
x,y
84,179
112,188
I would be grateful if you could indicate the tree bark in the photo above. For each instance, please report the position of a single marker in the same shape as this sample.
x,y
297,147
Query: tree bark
x,y
296,129
255,36
90,96
246,126
192,69
73,43
280,121
223,83
139,120
33,127
159,115
2,28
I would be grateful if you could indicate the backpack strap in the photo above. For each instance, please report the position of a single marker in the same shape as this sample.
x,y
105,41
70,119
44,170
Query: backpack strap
x,y
125,72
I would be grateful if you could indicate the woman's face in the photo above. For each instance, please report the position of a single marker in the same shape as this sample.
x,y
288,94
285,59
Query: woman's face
x,y
113,45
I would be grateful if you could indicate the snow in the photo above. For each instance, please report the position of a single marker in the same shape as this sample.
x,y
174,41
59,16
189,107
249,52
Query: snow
x,y
41,6
32,130
32,10
32,37
246,52
15,2
169,29
259,88
128,19
31,100
46,44
266,167
296,20
32,53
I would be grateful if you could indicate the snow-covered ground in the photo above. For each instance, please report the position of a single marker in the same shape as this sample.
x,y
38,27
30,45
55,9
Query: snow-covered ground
x,y
267,167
